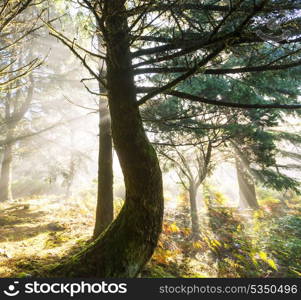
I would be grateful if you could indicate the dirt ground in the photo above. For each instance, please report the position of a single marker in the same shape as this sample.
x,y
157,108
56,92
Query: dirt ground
x,y
37,232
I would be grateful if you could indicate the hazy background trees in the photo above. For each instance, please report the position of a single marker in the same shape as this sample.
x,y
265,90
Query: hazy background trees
x,y
202,84
42,109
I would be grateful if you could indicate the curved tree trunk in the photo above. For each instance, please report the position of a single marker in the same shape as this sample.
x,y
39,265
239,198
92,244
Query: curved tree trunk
x,y
247,192
128,243
5,179
104,209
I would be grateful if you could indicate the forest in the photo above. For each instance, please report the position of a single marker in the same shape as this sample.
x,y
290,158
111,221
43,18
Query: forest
x,y
150,139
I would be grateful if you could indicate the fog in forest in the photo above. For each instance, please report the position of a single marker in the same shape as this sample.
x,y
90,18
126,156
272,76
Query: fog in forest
x,y
222,118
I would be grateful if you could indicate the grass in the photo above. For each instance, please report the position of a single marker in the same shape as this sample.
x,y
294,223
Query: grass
x,y
38,232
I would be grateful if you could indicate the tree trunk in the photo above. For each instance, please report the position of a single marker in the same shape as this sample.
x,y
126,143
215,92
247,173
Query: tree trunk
x,y
104,209
247,192
70,176
127,244
70,173
195,226
5,179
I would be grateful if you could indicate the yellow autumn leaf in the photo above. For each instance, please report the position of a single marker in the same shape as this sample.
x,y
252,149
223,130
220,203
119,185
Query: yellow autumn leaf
x,y
174,228
269,261
216,243
160,258
272,264
187,231
197,245
263,256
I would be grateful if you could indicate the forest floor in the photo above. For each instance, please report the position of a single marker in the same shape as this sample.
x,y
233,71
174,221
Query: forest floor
x,y
36,233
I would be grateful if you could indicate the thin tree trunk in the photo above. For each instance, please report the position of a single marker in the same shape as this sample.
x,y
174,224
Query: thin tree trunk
x,y
247,191
128,243
195,225
71,171
5,179
71,174
104,209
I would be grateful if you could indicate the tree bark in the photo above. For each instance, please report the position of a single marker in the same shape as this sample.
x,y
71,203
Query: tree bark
x,y
247,191
195,225
70,177
105,208
70,174
127,244
5,179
